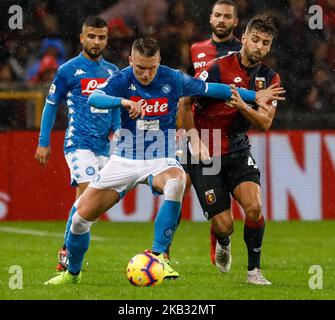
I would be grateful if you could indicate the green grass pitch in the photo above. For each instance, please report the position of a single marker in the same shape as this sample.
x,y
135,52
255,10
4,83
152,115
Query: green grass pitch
x,y
289,250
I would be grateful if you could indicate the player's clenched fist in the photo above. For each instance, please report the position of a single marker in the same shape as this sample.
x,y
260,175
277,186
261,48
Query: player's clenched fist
x,y
133,108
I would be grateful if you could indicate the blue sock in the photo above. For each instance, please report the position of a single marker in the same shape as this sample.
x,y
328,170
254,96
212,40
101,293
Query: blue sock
x,y
165,225
76,246
68,224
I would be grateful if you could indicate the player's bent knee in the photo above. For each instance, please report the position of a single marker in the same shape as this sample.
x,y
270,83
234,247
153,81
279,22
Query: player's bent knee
x,y
80,225
174,190
188,183
225,229
254,212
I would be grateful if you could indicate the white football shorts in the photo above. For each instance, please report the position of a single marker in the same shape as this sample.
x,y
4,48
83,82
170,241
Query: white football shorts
x,y
122,174
84,165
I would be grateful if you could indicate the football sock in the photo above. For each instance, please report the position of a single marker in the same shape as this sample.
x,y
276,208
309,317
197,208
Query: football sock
x,y
253,238
165,225
224,241
76,246
169,246
68,225
77,242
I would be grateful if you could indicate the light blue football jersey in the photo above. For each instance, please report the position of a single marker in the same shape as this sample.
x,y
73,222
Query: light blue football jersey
x,y
154,135
88,128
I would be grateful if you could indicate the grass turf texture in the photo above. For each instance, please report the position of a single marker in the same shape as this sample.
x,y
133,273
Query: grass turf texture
x,y
289,249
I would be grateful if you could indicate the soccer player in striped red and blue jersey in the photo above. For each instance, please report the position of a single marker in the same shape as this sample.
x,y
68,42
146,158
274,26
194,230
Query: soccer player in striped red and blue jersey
x,y
239,175
223,21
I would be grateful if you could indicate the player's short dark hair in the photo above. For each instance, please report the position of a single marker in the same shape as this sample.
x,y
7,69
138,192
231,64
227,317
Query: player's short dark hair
x,y
228,3
94,22
147,47
262,23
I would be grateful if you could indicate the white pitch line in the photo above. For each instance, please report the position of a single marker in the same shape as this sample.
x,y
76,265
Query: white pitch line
x,y
39,233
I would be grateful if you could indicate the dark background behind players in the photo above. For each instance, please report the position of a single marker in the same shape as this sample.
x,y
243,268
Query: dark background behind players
x,y
305,58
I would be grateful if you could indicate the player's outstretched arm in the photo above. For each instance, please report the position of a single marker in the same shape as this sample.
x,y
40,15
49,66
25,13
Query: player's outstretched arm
x,y
223,91
101,100
43,150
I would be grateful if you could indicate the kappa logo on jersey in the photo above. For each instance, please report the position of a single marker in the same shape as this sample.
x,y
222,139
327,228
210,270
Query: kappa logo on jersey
x,y
132,87
88,85
79,72
153,107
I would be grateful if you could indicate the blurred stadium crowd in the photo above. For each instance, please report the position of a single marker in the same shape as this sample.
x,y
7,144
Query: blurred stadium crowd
x,y
29,57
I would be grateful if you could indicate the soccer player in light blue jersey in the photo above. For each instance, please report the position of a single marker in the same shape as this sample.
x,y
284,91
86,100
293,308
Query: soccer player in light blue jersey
x,y
86,144
145,152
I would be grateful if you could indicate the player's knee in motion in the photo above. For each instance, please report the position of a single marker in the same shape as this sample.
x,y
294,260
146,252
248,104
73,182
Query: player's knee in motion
x,y
188,184
253,211
80,225
223,227
174,189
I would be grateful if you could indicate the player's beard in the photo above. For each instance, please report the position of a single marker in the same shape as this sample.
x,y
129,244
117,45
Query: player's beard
x,y
93,55
253,58
222,34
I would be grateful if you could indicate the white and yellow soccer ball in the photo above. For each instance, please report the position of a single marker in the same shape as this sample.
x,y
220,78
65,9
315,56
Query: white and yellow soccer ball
x,y
145,270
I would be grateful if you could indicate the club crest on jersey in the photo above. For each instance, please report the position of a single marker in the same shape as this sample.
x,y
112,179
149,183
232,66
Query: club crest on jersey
x,y
88,85
52,89
153,107
166,88
210,197
260,83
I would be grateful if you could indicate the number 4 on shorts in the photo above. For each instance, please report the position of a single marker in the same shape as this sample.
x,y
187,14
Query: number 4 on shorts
x,y
251,162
